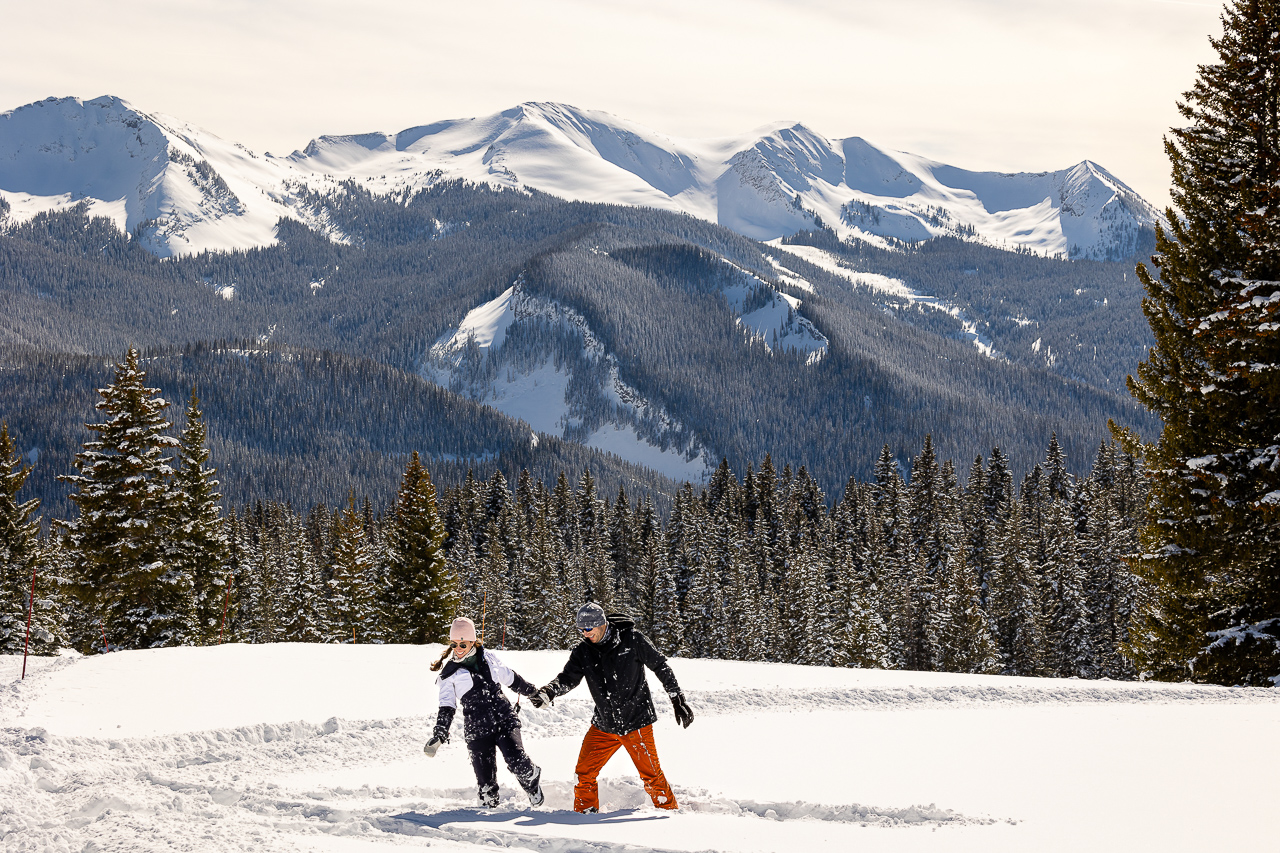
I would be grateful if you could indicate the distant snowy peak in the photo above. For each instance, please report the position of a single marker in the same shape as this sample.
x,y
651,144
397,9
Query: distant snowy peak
x,y
181,189
765,184
185,190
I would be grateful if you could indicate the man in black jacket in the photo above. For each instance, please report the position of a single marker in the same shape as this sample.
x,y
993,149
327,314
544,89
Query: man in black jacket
x,y
612,658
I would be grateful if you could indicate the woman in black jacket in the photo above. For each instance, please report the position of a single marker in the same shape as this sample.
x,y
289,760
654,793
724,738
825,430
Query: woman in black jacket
x,y
474,677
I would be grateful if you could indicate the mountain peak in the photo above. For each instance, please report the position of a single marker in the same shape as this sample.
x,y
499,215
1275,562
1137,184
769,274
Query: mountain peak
x,y
770,182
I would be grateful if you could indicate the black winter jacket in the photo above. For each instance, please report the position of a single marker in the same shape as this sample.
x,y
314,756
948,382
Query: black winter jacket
x,y
614,670
478,688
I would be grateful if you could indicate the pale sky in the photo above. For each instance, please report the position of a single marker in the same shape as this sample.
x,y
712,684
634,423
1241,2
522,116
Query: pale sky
x,y
1007,85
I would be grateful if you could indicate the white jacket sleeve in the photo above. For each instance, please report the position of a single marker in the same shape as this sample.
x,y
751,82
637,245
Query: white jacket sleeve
x,y
500,671
449,692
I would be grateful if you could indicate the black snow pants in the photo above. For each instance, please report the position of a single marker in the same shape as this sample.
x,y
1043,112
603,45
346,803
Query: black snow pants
x,y
484,760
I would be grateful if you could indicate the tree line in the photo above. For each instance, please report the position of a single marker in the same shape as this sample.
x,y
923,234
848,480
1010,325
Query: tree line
x,y
911,569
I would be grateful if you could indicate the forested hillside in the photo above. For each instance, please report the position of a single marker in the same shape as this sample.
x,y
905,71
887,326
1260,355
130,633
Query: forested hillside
x,y
358,308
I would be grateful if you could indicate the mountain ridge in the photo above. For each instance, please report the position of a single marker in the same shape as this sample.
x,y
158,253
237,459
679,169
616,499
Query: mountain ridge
x,y
185,190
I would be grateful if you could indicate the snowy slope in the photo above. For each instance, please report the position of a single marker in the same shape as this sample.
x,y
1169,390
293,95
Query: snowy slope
x,y
195,191
602,412
312,747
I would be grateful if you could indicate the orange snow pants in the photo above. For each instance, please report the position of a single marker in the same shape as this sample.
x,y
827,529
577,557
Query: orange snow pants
x,y
598,747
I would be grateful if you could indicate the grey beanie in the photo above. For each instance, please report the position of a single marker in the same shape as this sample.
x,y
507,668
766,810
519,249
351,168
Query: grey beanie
x,y
590,615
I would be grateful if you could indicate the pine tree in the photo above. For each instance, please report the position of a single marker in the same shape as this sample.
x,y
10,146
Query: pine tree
x,y
421,595
964,632
1015,599
198,543
118,540
351,598
1211,551
300,614
21,564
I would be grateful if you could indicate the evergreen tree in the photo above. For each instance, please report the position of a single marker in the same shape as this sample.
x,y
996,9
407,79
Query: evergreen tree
x,y
1015,599
963,630
21,564
421,595
351,597
301,597
198,543
1211,551
118,540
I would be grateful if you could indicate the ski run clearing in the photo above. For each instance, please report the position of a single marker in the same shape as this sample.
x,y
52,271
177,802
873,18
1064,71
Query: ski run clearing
x,y
319,747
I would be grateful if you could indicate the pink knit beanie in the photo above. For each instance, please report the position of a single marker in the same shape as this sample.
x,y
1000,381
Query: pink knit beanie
x,y
462,629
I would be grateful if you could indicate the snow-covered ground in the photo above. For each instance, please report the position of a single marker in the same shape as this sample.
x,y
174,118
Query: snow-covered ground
x,y
311,747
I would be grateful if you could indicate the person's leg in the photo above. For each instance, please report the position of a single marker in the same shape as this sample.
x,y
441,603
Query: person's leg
x,y
597,748
644,754
484,760
521,766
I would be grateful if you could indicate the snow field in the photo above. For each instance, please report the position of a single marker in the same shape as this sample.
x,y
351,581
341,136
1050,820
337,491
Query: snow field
x,y
318,747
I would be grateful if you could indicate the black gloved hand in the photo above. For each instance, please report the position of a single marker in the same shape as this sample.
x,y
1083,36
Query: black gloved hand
x,y
541,699
438,738
684,714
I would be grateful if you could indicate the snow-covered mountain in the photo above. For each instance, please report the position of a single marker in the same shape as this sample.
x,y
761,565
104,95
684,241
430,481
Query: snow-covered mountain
x,y
537,360
190,190
180,188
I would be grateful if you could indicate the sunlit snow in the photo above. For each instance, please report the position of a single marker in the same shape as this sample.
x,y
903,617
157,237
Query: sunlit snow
x,y
319,748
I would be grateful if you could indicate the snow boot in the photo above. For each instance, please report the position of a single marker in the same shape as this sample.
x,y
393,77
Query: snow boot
x,y
488,796
534,790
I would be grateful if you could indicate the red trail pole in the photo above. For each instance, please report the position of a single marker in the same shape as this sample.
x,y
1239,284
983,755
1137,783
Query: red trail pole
x,y
31,603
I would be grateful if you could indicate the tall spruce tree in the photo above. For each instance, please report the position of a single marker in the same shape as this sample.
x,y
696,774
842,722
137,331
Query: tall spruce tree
x,y
421,596
1211,551
351,596
197,541
119,539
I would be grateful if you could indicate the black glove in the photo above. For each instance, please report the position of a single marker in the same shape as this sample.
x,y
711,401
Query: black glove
x,y
541,699
684,714
438,738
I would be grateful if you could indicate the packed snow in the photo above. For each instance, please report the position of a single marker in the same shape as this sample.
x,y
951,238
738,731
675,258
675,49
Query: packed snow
x,y
193,191
318,747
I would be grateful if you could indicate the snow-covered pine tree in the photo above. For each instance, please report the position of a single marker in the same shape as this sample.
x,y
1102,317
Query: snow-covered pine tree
x,y
351,599
1069,625
301,599
21,563
546,610
964,633
197,539
421,595
118,539
623,552
1015,599
807,634
888,500
495,588
1211,551
1109,585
